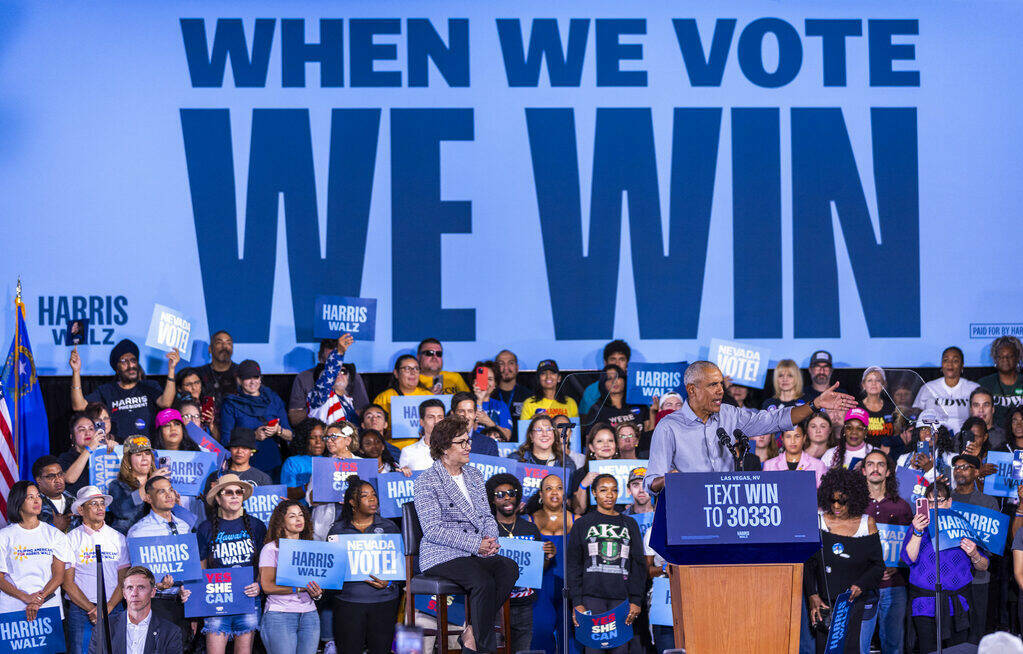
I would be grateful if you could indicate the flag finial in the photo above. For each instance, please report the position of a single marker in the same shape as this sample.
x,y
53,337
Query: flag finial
x,y
17,296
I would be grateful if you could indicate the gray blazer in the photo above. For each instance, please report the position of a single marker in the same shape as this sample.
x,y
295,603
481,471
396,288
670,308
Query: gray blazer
x,y
452,527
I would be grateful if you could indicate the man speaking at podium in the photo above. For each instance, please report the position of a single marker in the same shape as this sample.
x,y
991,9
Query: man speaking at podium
x,y
687,440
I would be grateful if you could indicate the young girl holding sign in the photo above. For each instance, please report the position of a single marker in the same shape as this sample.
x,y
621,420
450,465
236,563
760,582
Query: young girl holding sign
x,y
231,539
290,624
364,611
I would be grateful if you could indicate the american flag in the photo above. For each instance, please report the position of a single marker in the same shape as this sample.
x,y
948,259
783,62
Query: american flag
x,y
8,464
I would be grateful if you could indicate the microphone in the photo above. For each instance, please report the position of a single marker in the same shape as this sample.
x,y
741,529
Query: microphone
x,y
750,461
723,439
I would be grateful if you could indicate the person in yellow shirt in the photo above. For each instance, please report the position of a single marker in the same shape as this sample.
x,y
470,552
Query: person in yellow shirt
x,y
547,399
404,382
431,377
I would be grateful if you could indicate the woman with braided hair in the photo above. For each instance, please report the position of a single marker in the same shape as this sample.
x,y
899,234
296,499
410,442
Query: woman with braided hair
x,y
231,538
852,446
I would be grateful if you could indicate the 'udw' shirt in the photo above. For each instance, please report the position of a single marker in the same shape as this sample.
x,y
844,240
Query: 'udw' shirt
x,y
233,545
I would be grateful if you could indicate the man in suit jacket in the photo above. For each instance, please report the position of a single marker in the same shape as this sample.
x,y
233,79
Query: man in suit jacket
x,y
459,532
138,630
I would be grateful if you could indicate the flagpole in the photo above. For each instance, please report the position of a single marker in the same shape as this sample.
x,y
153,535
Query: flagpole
x,y
17,373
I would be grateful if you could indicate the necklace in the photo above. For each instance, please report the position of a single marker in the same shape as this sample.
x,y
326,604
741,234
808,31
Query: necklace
x,y
507,530
362,527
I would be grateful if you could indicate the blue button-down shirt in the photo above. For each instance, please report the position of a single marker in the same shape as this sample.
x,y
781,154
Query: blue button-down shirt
x,y
683,442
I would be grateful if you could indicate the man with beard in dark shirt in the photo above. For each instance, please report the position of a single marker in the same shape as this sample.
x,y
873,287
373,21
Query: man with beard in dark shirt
x,y
219,376
132,399
504,493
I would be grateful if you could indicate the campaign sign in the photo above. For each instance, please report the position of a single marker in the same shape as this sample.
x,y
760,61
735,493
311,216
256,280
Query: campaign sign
x,y
177,556
168,330
912,484
647,380
507,449
1001,483
892,537
189,470
619,469
575,438
335,316
379,555
330,476
77,332
491,465
660,603
206,442
264,500
533,475
839,625
302,561
221,591
953,527
604,630
712,517
745,364
395,489
1017,465
644,520
456,607
405,413
528,554
990,525
40,636
104,467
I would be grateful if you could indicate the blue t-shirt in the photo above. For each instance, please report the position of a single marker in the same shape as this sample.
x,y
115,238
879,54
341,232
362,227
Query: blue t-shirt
x,y
233,546
498,412
297,471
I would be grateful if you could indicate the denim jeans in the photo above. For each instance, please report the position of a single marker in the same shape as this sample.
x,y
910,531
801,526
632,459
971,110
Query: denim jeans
x,y
891,618
290,633
79,628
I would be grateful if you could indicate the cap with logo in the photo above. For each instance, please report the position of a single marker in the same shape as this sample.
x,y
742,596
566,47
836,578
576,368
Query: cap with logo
x,y
821,356
547,364
248,369
137,443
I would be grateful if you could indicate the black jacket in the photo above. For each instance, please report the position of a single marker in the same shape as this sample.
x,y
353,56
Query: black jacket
x,y
163,638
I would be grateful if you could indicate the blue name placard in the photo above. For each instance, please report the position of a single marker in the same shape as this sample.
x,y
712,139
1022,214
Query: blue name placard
x,y
1002,483
619,469
989,525
189,470
177,556
604,630
220,592
646,380
395,489
40,636
839,629
336,315
302,561
533,475
405,413
660,602
264,500
528,554
330,476
103,467
492,465
745,364
378,555
892,537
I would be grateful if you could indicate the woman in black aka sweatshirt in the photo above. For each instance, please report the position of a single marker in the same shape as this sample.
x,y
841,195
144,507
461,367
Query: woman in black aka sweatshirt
x,y
605,560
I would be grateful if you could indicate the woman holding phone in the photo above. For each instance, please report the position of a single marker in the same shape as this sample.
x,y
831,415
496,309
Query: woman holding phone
x,y
491,412
258,408
365,612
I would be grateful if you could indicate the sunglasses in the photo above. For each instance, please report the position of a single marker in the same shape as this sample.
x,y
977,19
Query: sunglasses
x,y
432,353
840,500
500,495
232,492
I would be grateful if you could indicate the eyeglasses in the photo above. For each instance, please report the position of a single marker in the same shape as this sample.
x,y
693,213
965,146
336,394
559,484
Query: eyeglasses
x,y
500,495
432,353
462,443
963,466
627,436
94,504
544,430
941,498
842,501
52,476
408,369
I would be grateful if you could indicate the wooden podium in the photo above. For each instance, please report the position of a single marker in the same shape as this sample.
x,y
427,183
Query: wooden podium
x,y
753,609
719,604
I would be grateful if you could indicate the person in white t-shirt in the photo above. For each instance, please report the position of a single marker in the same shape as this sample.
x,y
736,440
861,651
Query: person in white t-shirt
x,y
80,573
852,446
948,397
417,455
32,555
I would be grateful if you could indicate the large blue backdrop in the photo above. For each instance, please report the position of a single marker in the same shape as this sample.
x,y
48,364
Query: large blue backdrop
x,y
542,176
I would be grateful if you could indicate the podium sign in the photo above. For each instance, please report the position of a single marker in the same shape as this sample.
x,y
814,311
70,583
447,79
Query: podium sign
x,y
737,517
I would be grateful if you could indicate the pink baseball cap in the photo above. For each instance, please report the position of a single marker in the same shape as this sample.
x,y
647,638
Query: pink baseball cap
x,y
167,415
855,413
